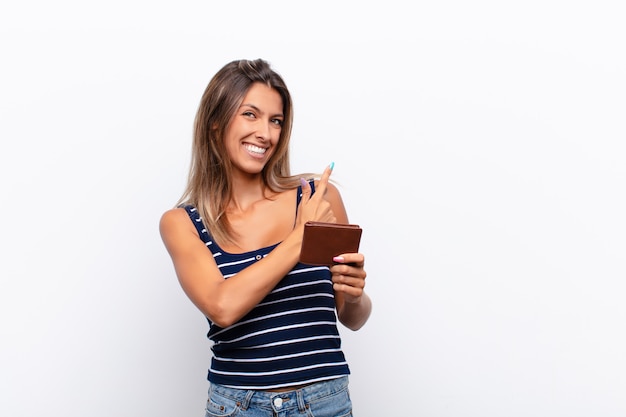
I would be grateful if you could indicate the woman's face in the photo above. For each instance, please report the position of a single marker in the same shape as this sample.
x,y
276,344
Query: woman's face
x,y
253,133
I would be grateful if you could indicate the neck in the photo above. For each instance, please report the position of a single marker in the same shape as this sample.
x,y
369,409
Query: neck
x,y
246,191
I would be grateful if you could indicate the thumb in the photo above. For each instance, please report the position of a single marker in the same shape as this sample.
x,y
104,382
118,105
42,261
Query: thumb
x,y
306,190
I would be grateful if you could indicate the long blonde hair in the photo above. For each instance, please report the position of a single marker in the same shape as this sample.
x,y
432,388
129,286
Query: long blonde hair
x,y
209,185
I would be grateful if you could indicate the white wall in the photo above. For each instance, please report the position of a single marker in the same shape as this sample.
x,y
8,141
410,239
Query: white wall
x,y
481,145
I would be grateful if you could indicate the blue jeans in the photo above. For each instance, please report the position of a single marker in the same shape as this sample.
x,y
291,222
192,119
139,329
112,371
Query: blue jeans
x,y
323,399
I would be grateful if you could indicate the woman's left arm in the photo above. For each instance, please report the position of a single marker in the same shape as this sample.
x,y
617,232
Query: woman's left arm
x,y
353,304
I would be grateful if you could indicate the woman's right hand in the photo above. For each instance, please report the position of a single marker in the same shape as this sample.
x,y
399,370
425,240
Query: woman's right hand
x,y
315,207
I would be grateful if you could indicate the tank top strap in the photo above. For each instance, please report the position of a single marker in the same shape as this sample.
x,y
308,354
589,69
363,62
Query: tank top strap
x,y
299,194
196,219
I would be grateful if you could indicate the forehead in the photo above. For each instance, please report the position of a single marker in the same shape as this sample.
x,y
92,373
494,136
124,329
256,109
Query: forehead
x,y
264,98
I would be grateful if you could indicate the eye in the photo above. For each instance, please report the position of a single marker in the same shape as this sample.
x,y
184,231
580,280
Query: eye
x,y
278,122
248,113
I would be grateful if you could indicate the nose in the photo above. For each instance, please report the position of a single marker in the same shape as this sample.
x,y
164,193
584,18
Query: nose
x,y
263,130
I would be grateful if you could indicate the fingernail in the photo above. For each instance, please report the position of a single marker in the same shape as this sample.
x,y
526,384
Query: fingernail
x,y
338,259
332,165
303,182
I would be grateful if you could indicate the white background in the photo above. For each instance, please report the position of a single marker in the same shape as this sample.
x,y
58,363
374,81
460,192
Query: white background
x,y
481,146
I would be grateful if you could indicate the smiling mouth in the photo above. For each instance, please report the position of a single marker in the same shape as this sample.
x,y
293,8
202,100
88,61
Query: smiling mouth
x,y
255,149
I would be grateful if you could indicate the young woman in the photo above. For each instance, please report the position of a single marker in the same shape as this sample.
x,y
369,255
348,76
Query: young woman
x,y
234,239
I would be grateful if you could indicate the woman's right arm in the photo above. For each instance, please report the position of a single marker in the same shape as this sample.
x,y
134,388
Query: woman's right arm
x,y
223,301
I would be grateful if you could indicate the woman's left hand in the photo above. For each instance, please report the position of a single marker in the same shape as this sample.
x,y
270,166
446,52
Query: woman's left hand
x,y
348,275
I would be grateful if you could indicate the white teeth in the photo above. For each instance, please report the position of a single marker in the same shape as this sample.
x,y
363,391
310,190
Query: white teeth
x,y
255,149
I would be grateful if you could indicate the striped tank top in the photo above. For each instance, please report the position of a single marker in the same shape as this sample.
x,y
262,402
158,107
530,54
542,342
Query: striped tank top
x,y
289,338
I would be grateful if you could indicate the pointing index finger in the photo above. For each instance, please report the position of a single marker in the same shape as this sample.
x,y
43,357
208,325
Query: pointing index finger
x,y
321,186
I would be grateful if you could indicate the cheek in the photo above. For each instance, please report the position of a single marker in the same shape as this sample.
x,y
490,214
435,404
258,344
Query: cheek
x,y
275,140
231,148
278,137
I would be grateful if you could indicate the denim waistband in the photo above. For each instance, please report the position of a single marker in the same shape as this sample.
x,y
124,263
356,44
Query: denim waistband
x,y
282,400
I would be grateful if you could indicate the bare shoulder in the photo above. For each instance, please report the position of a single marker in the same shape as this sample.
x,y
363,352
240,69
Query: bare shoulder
x,y
332,191
174,222
333,196
173,216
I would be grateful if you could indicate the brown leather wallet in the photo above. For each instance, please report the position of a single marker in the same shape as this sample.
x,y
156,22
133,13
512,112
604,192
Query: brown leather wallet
x,y
323,241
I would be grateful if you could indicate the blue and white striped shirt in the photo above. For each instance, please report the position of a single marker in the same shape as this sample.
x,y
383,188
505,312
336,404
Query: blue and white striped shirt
x,y
289,338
